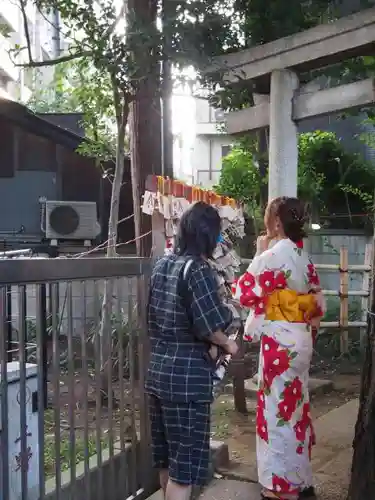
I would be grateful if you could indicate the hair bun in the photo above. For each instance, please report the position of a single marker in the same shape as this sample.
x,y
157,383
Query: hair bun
x,y
292,214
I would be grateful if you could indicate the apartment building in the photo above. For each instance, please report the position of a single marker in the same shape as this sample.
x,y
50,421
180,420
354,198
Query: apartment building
x,y
15,82
210,145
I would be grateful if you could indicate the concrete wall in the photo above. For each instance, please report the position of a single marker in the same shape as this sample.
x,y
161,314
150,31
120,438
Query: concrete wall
x,y
326,250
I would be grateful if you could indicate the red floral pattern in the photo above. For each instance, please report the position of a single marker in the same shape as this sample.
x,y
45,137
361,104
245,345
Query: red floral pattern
x,y
234,287
299,244
248,297
261,422
251,299
280,281
312,275
312,439
291,397
303,424
282,485
267,282
247,281
270,281
276,360
259,306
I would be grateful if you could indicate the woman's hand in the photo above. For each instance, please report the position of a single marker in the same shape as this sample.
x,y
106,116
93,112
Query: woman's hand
x,y
213,352
263,243
231,347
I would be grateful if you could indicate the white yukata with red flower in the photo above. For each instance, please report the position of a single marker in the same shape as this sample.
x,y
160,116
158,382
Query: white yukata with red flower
x,y
284,428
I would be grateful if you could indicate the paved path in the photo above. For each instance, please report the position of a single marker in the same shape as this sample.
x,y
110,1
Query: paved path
x,y
333,453
331,461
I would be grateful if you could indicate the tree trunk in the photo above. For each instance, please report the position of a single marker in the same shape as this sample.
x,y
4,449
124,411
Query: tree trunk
x,y
362,483
145,131
106,311
168,13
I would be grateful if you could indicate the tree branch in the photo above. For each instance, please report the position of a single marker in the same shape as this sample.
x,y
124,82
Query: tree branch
x,y
53,62
116,99
26,28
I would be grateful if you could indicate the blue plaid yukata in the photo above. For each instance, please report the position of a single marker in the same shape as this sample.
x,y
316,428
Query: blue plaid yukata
x,y
181,317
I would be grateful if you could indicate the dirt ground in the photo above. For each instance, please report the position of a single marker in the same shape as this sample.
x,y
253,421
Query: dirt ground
x,y
238,431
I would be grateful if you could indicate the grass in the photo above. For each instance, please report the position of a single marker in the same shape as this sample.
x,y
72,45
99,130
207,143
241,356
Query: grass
x,y
221,413
65,451
65,447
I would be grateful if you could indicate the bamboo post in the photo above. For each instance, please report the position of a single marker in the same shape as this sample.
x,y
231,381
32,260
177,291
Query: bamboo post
x,y
344,301
365,288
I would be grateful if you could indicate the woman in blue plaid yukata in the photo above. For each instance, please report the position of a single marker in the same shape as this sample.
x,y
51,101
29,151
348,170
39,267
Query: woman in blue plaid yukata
x,y
186,317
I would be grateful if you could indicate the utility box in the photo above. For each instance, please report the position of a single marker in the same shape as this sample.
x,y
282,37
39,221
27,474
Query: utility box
x,y
14,432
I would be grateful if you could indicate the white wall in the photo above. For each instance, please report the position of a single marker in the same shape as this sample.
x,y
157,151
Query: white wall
x,y
16,84
206,159
207,147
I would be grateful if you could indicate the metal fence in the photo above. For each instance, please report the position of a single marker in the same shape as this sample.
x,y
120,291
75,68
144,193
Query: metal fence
x,y
74,421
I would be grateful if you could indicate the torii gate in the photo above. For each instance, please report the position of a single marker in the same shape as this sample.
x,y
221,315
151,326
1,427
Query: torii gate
x,y
273,68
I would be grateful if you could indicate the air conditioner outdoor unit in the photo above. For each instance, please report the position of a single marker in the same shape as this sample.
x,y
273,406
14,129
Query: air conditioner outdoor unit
x,y
71,220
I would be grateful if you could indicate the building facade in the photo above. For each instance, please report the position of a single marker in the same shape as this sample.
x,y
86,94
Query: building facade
x,y
210,145
16,83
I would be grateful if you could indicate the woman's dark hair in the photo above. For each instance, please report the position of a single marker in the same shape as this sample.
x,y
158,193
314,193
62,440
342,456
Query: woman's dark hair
x,y
292,215
198,231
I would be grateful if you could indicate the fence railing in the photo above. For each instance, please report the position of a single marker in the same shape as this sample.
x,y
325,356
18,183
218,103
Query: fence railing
x,y
74,420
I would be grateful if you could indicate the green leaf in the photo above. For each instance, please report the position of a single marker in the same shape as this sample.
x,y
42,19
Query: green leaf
x,y
281,423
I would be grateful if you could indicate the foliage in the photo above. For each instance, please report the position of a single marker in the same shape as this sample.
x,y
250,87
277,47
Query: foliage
x,y
263,22
348,179
330,179
241,178
78,87
310,181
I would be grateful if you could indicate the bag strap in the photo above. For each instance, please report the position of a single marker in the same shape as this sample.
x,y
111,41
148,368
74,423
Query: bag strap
x,y
187,266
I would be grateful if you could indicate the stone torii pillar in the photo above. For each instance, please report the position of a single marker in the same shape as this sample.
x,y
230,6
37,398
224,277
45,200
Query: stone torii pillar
x,y
283,142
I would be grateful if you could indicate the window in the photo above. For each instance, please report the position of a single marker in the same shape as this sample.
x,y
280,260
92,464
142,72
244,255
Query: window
x,y
225,150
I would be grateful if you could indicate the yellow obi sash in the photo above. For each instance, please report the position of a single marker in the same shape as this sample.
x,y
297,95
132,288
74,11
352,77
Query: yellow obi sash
x,y
288,305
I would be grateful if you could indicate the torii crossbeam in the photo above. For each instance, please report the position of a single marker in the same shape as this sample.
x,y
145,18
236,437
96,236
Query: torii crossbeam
x,y
275,66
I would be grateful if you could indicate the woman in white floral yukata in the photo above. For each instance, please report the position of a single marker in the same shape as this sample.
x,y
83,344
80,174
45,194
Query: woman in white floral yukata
x,y
281,289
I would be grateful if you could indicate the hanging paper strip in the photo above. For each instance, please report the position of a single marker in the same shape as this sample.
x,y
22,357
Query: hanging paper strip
x,y
179,189
172,198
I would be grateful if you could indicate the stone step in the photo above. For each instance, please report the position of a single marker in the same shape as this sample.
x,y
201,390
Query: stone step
x,y
316,386
219,454
229,489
